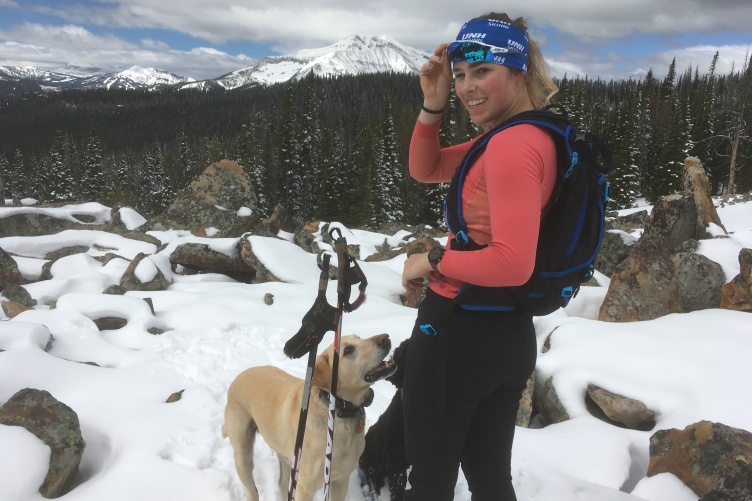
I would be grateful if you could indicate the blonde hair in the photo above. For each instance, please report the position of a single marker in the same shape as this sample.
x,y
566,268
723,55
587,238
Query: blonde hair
x,y
540,86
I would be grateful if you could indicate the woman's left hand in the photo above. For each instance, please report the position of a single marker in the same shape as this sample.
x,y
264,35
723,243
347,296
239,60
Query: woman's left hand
x,y
416,268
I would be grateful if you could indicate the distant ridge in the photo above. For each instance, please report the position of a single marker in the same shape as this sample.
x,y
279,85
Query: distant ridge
x,y
352,55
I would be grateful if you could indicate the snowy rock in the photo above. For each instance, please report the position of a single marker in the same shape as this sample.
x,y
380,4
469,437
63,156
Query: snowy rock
x,y
50,219
672,221
696,182
630,412
143,275
614,249
212,201
552,410
202,258
24,334
128,219
19,294
737,294
645,285
707,457
525,411
55,424
13,308
280,220
246,254
9,272
700,281
629,222
31,224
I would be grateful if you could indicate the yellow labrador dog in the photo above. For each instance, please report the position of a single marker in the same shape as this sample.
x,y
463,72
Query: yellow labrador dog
x,y
267,400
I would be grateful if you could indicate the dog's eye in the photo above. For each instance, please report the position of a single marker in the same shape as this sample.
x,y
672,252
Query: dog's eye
x,y
348,350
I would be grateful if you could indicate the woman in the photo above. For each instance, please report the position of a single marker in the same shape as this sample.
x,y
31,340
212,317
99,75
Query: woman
x,y
467,368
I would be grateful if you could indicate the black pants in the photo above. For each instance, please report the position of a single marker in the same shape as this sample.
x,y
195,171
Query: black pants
x,y
461,393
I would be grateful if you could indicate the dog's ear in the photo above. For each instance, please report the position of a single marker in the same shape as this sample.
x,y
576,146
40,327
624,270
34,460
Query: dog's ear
x,y
322,372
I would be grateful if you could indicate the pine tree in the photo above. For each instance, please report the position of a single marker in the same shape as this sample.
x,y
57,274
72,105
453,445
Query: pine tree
x,y
156,193
310,151
120,186
360,196
215,150
183,165
667,178
625,177
57,184
290,181
334,169
389,173
92,177
667,87
16,186
4,176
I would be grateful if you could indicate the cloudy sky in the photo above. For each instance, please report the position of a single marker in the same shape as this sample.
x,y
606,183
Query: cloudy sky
x,y
207,38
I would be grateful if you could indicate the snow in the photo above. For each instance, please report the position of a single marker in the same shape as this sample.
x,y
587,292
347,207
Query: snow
x,y
684,367
131,219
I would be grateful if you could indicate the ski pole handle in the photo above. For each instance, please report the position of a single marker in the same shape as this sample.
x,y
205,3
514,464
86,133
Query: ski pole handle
x,y
293,484
340,247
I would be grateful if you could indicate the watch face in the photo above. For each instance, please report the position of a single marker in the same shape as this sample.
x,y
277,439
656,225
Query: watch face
x,y
435,255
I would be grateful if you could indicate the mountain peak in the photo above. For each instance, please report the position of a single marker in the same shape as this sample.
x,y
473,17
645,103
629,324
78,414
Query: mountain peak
x,y
353,54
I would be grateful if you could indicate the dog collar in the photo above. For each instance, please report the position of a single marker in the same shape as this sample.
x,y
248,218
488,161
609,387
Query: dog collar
x,y
347,409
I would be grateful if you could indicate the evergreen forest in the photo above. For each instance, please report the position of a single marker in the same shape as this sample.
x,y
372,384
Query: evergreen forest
x,y
337,148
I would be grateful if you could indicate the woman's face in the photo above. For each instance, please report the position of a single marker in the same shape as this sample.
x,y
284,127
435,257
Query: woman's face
x,y
490,92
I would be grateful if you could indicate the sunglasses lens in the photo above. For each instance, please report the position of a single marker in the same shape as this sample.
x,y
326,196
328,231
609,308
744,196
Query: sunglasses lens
x,y
471,52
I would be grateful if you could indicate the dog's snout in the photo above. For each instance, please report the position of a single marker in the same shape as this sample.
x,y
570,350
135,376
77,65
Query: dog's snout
x,y
383,340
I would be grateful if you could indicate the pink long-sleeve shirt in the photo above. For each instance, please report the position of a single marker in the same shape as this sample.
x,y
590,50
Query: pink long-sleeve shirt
x,y
503,199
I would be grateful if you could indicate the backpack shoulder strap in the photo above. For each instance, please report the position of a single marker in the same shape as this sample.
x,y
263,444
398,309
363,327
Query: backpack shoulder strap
x,y
556,123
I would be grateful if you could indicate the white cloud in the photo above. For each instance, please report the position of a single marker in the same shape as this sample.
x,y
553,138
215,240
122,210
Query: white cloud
x,y
52,47
288,25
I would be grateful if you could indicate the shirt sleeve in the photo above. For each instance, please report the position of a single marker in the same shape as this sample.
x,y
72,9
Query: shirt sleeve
x,y
519,166
429,163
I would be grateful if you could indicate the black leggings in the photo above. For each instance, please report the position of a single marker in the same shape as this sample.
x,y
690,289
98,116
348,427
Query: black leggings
x,y
461,393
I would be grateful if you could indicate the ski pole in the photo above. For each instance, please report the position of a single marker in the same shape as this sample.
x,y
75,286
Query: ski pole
x,y
321,299
340,247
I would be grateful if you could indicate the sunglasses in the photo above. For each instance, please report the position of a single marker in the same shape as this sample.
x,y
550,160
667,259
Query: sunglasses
x,y
476,52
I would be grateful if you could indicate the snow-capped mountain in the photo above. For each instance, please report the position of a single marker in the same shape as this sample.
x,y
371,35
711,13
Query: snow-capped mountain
x,y
352,55
74,77
138,77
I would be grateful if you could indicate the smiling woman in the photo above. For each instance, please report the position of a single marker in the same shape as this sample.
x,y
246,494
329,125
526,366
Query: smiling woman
x,y
466,368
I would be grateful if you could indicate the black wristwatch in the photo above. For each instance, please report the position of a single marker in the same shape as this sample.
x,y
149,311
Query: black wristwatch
x,y
434,257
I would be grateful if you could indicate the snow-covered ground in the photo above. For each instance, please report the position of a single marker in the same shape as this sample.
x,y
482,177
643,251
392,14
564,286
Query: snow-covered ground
x,y
685,367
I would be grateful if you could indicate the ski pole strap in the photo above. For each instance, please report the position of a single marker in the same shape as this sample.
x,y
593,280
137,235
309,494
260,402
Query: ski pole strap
x,y
321,318
355,275
349,273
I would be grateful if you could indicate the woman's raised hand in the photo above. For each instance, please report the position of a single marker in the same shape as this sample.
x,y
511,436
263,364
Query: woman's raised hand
x,y
436,79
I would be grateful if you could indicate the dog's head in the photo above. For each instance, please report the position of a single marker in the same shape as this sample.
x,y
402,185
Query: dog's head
x,y
361,363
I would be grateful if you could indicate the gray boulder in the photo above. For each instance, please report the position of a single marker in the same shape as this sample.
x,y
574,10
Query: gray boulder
x,y
55,424
700,281
212,201
551,408
131,281
710,458
629,412
696,182
200,258
615,248
737,294
9,272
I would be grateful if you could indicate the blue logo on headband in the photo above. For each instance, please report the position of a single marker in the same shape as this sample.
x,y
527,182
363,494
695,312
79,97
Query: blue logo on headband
x,y
495,42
